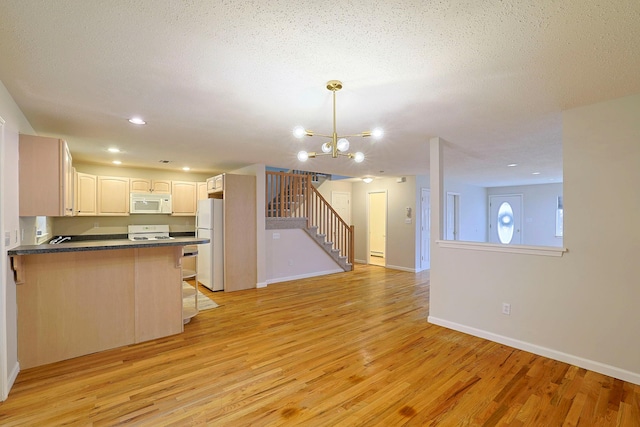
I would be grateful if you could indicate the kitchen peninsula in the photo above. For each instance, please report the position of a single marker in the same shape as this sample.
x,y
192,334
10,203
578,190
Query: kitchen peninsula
x,y
82,297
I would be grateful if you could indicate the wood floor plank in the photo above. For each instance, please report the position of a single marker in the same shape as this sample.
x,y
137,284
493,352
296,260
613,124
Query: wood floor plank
x,y
350,349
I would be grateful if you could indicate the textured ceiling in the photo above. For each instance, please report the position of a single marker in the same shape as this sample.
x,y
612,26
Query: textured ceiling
x,y
222,83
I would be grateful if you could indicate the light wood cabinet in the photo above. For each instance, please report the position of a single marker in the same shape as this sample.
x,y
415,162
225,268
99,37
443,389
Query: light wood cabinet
x,y
215,184
45,177
202,191
141,185
113,196
75,303
86,198
183,198
240,232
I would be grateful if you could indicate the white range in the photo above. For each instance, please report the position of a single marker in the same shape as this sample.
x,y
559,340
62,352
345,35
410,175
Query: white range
x,y
148,232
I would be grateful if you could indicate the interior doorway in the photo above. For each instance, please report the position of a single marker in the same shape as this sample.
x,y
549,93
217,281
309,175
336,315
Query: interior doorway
x,y
377,225
452,218
425,229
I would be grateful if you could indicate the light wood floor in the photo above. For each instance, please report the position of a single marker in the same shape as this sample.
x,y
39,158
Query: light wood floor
x,y
351,349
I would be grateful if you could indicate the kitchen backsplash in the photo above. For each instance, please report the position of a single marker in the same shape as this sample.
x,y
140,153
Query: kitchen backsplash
x,y
74,226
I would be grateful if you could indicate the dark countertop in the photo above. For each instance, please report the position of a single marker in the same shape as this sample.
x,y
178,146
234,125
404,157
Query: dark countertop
x,y
102,245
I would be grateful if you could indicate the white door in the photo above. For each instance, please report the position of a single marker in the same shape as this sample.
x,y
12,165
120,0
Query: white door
x,y
505,219
341,203
425,229
377,226
453,217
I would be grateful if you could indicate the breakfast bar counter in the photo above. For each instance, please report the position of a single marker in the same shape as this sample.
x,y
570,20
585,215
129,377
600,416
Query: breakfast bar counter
x,y
77,298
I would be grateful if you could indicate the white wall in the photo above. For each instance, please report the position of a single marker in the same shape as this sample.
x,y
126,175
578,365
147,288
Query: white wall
x,y
292,254
580,308
539,204
12,123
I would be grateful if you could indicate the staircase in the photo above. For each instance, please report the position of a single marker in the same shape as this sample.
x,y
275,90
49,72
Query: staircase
x,y
291,197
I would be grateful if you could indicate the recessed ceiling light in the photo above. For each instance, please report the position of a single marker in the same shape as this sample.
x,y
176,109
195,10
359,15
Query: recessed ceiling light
x,y
512,165
186,168
137,121
113,150
535,173
117,162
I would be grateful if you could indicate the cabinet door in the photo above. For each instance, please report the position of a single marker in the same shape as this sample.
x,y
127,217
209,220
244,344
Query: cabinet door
x,y
86,186
202,191
139,185
113,196
215,184
67,178
161,187
183,198
45,177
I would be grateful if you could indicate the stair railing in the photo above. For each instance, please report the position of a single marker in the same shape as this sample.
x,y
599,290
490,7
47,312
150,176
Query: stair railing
x,y
291,195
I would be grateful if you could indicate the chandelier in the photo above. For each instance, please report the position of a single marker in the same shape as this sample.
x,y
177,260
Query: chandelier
x,y
338,145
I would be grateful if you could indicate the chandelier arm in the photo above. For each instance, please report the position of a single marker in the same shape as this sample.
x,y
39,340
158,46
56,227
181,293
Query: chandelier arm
x,y
322,135
363,134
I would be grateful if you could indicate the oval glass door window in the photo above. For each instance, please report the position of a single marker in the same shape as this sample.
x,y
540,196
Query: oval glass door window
x,y
505,223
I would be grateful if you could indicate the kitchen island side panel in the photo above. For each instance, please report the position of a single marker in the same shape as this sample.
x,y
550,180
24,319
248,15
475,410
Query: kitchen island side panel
x,y
74,303
158,294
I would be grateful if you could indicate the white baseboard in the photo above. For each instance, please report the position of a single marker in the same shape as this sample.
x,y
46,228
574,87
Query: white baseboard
x,y
393,267
13,375
592,365
261,285
304,276
397,267
4,394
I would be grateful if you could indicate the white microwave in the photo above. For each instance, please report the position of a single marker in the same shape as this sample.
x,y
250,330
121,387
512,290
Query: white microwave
x,y
147,203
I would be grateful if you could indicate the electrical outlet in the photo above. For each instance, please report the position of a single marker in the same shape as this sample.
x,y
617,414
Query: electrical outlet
x,y
506,308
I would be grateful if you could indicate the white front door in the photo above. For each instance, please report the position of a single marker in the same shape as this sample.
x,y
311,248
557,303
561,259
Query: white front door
x,y
505,219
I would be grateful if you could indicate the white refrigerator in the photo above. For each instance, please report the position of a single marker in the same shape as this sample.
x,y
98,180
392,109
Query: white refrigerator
x,y
209,225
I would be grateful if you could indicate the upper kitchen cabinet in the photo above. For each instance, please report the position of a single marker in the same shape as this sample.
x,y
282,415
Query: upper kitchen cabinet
x,y
183,198
202,191
46,177
113,196
215,184
141,185
86,200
